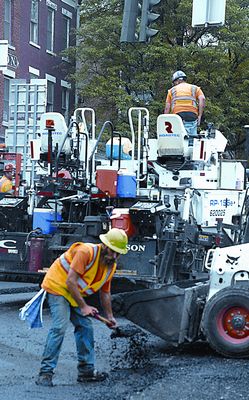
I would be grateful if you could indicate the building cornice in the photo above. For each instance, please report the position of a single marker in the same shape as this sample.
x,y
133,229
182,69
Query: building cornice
x,y
71,3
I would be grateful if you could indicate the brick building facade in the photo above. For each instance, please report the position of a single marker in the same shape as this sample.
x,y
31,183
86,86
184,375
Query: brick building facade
x,y
33,34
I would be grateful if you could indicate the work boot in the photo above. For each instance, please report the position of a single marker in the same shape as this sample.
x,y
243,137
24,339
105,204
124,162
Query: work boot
x,y
91,376
44,380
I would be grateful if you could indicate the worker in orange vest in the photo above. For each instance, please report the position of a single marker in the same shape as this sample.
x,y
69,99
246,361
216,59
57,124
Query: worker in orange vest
x,y
81,271
6,180
186,100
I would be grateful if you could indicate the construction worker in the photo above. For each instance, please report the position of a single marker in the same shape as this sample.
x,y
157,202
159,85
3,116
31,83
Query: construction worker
x,y
82,270
186,100
6,180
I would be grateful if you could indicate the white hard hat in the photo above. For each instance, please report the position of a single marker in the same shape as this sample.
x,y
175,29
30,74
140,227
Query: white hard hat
x,y
178,75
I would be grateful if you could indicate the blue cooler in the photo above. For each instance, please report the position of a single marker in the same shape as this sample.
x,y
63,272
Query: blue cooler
x,y
127,184
43,218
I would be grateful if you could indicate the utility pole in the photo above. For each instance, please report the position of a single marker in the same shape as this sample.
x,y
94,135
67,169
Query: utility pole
x,y
131,11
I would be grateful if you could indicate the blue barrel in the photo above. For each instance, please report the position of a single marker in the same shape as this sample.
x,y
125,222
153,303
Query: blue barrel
x,y
43,219
127,185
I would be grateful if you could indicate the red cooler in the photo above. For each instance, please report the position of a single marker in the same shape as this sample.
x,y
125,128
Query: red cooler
x,y
106,180
121,219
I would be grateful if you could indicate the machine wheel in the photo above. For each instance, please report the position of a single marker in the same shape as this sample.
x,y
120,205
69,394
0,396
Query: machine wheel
x,y
225,322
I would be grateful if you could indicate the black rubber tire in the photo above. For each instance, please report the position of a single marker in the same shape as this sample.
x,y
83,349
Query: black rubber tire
x,y
216,322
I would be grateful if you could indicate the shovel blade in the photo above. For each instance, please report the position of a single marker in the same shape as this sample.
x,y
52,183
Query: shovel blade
x,y
126,331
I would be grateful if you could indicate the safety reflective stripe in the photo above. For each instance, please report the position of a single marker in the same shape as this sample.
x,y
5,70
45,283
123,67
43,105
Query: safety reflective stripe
x,y
95,251
81,283
185,98
66,264
191,97
173,92
193,90
107,276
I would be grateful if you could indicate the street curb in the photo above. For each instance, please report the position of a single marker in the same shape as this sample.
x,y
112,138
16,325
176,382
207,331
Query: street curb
x,y
16,299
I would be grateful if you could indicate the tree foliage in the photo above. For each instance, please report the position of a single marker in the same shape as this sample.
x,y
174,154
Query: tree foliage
x,y
112,77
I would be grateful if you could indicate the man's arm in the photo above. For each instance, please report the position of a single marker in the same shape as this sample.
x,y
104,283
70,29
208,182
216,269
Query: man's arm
x,y
201,106
167,103
106,302
167,108
72,284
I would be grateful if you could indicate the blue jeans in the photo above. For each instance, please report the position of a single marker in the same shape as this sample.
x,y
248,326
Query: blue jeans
x,y
191,128
62,312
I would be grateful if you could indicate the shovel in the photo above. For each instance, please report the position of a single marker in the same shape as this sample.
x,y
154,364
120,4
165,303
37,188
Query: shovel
x,y
124,331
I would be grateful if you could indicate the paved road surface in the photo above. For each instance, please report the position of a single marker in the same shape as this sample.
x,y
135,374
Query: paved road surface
x,y
140,368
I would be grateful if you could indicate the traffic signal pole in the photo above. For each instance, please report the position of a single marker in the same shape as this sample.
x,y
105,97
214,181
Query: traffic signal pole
x,y
128,33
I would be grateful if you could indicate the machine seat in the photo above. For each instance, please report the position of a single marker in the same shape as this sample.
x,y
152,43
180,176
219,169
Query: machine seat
x,y
172,136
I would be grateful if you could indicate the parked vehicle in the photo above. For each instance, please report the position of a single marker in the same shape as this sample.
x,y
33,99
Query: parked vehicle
x,y
183,205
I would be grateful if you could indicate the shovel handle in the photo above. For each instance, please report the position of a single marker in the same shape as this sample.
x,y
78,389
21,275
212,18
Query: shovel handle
x,y
102,319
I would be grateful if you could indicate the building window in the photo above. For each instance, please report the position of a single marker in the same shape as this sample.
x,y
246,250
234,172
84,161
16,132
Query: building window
x,y
6,99
7,20
50,96
34,19
33,76
50,29
65,103
65,32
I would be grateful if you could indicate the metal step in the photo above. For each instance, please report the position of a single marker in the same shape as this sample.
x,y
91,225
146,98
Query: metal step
x,y
67,224
61,248
64,234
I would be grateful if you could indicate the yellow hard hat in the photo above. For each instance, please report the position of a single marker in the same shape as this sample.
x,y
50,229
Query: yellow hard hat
x,y
116,239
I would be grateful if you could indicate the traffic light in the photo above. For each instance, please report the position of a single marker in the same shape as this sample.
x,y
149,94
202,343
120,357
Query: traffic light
x,y
131,12
147,18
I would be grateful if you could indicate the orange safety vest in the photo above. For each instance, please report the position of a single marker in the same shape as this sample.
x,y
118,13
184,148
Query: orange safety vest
x,y
183,98
55,279
5,184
